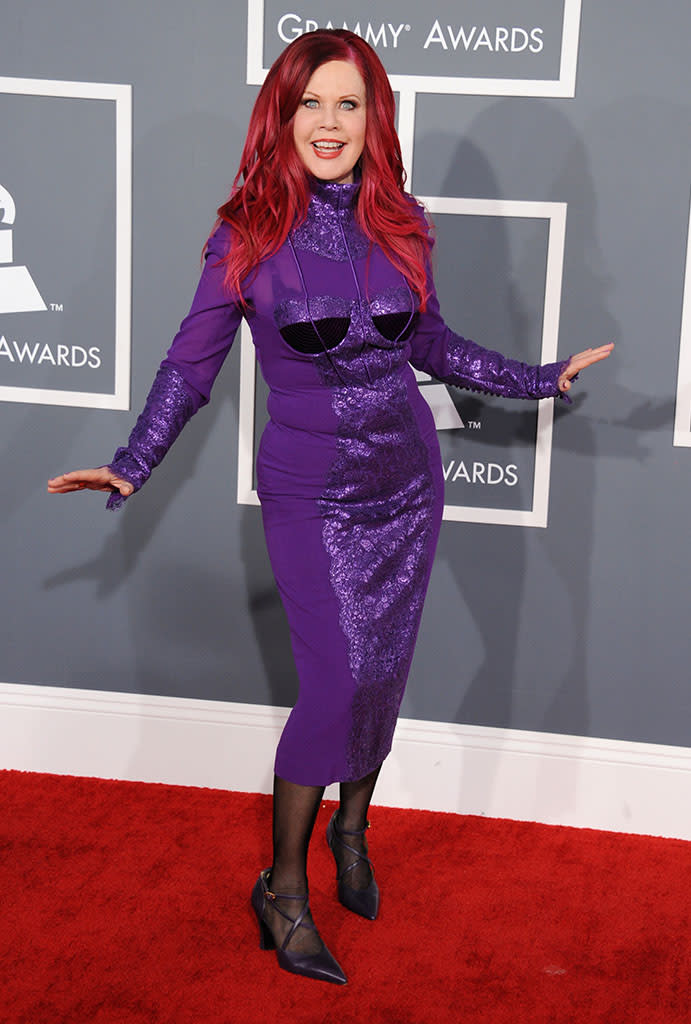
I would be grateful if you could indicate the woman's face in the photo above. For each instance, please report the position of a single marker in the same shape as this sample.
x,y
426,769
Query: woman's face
x,y
329,125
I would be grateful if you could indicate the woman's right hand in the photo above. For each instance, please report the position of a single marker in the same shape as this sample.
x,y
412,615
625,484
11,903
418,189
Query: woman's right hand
x,y
101,479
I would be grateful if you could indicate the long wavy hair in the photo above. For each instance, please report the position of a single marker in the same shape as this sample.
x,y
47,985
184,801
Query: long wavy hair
x,y
271,191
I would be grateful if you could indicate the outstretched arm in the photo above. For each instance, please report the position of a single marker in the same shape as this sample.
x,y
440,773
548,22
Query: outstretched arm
x,y
182,385
437,350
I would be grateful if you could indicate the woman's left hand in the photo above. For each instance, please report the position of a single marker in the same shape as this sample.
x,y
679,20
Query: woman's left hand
x,y
580,361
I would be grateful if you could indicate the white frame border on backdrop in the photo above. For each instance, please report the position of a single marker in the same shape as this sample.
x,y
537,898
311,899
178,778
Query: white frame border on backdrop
x,y
682,416
121,95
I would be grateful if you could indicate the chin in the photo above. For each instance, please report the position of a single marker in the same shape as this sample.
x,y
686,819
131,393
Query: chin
x,y
332,177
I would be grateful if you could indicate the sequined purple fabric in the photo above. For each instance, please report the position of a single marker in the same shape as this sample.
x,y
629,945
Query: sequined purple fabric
x,y
480,369
393,300
379,525
169,406
320,233
378,531
317,307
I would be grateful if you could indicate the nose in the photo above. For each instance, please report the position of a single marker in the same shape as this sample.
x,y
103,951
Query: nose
x,y
330,119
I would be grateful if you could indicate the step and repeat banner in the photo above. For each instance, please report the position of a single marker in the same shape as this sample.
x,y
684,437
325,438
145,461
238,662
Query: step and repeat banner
x,y
549,141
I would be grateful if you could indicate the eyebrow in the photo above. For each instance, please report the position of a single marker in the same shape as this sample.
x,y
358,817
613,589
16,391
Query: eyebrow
x,y
346,96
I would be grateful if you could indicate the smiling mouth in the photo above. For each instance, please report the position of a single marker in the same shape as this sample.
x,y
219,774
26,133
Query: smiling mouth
x,y
327,149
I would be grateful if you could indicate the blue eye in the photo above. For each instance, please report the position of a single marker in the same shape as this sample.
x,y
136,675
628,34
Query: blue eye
x,y
310,103
348,105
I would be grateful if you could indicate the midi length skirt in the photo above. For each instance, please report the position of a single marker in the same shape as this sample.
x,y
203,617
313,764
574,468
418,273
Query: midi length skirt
x,y
351,519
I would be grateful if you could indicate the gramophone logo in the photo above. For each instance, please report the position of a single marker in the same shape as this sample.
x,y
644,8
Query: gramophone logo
x,y
18,293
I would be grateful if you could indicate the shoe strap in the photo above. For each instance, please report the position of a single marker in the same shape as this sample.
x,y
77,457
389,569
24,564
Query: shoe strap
x,y
272,897
339,833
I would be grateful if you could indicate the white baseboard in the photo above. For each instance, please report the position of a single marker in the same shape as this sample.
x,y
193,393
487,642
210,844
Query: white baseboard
x,y
505,773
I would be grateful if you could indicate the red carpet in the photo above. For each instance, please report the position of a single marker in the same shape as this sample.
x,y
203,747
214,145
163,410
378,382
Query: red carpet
x,y
125,903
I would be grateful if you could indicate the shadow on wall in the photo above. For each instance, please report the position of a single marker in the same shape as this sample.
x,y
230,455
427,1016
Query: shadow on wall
x,y
196,606
526,593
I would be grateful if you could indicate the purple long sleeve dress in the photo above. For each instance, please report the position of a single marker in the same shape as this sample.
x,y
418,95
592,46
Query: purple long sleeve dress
x,y
349,469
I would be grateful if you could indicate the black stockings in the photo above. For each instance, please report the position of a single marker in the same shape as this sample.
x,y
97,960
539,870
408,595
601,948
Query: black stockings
x,y
295,810
352,816
294,813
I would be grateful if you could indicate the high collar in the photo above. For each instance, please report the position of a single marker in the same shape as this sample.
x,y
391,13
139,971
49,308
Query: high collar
x,y
338,197
330,228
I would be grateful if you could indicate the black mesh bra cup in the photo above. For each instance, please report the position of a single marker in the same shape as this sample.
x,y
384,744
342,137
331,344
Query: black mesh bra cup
x,y
393,325
330,332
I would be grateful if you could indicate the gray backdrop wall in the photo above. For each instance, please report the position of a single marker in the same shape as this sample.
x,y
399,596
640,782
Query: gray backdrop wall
x,y
581,627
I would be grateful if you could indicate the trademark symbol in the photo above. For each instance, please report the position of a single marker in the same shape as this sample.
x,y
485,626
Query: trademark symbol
x,y
57,307
407,28
473,424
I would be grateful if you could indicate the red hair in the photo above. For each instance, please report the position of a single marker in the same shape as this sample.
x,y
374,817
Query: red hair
x,y
271,191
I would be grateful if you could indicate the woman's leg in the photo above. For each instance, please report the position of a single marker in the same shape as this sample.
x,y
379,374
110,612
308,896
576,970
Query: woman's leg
x,y
294,812
355,799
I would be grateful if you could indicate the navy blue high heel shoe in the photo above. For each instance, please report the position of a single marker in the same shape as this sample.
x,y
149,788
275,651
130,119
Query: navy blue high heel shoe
x,y
322,965
364,902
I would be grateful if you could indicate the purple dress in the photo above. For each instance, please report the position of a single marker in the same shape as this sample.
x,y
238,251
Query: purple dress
x,y
349,471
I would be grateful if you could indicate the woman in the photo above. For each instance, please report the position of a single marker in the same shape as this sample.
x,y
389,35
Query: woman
x,y
327,257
